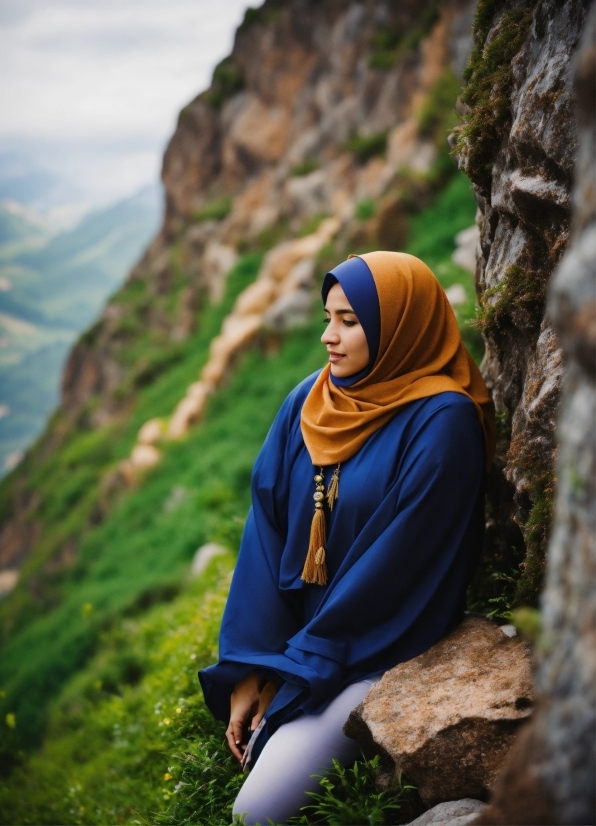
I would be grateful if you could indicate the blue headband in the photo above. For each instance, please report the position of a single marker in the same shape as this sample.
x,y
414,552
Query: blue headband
x,y
357,282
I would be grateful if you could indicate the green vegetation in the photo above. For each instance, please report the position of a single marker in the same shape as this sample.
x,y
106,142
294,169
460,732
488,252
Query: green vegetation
x,y
227,80
365,209
516,301
365,147
307,166
216,210
264,14
350,796
311,224
389,43
489,76
131,730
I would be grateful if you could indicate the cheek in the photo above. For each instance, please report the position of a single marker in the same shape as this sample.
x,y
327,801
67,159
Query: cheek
x,y
359,346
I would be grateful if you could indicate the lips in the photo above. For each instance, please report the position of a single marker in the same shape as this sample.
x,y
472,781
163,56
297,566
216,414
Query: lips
x,y
335,357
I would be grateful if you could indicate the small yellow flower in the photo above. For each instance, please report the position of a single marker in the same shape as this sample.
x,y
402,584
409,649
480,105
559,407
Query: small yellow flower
x,y
166,721
10,720
178,710
167,776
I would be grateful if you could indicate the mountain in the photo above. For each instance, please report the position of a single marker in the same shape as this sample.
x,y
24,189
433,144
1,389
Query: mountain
x,y
328,130
51,288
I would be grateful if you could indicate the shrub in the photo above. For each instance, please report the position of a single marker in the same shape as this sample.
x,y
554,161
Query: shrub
x,y
365,147
365,209
305,167
216,210
227,81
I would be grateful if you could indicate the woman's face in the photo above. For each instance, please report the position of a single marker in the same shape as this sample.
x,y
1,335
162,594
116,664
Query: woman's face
x,y
344,336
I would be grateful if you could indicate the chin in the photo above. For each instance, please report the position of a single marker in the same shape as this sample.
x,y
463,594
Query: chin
x,y
340,372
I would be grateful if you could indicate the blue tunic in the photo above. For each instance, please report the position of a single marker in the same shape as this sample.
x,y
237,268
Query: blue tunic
x,y
403,538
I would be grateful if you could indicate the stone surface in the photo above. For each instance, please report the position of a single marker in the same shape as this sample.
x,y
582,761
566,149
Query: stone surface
x,y
451,813
204,555
524,221
448,718
550,775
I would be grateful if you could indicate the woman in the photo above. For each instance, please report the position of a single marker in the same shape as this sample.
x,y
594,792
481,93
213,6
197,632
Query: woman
x,y
366,522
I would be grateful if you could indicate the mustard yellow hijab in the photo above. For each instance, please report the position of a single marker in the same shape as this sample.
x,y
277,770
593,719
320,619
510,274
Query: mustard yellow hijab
x,y
420,354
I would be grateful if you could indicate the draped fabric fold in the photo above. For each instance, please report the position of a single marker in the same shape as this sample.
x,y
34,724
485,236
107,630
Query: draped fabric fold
x,y
420,354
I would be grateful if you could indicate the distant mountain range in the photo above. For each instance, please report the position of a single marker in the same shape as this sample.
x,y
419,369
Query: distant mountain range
x,y
51,289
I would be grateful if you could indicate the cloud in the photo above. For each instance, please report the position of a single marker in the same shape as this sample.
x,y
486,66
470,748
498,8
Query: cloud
x,y
107,70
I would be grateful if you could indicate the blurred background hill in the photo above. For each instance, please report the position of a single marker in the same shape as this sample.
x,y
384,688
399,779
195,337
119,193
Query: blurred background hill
x,y
323,132
52,285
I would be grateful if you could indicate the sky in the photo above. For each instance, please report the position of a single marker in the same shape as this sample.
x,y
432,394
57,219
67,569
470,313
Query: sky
x,y
90,89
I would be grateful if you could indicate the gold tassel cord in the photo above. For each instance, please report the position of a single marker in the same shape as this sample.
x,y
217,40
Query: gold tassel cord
x,y
333,491
315,566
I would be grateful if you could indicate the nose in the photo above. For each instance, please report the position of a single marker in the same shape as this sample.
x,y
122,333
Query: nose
x,y
330,335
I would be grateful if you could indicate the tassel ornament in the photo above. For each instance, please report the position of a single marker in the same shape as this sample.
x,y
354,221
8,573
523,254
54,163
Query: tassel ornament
x,y
333,491
315,565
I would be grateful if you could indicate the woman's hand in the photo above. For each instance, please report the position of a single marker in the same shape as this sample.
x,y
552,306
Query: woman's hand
x,y
250,700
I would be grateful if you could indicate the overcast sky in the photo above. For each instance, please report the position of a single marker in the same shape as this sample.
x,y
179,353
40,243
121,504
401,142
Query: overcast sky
x,y
91,88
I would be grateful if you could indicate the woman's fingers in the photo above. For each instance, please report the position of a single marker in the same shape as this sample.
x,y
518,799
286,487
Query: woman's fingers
x,y
234,738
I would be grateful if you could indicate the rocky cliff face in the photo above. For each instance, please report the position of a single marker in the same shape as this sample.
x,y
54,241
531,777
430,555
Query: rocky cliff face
x,y
518,145
316,109
550,777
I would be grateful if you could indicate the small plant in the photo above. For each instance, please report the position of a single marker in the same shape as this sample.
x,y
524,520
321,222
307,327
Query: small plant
x,y
365,209
305,167
350,796
503,602
311,224
216,210
366,147
227,81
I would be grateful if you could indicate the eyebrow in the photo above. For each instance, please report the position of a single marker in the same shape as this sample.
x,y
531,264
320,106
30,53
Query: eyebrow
x,y
340,312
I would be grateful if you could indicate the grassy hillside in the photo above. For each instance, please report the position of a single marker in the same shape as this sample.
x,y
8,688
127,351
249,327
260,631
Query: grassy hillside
x,y
51,290
90,656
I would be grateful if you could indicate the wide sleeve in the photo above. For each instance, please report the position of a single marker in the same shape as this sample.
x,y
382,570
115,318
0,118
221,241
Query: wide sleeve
x,y
259,617
403,581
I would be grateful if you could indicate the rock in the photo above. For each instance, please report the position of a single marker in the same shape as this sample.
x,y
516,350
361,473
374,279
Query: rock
x,y
523,191
451,813
456,295
448,718
550,776
465,252
289,311
8,581
217,262
189,409
143,457
204,555
151,432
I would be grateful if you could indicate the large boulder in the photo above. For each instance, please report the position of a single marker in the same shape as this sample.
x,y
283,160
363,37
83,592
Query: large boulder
x,y
447,718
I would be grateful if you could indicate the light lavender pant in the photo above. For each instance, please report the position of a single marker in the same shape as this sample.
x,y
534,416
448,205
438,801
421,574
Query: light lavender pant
x,y
276,787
